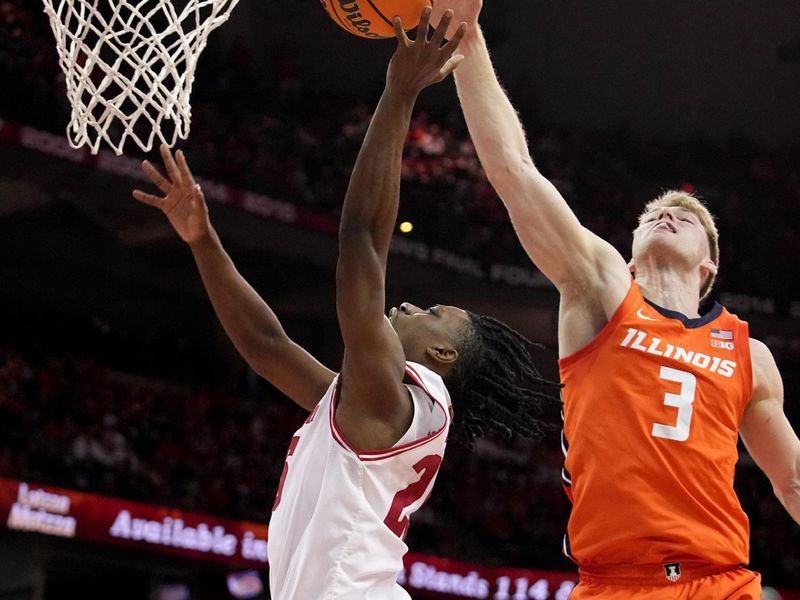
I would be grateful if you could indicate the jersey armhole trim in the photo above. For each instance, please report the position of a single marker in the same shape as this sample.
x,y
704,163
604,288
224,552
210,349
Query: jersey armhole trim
x,y
748,366
375,455
607,329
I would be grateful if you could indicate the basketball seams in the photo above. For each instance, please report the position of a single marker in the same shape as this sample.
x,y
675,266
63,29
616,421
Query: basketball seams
x,y
381,15
371,12
345,26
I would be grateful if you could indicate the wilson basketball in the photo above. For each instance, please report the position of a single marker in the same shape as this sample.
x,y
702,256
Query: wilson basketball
x,y
373,18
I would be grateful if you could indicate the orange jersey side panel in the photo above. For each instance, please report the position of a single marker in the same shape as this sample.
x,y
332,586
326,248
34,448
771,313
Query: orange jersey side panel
x,y
652,408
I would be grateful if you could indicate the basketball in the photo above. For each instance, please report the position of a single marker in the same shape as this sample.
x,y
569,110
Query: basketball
x,y
373,18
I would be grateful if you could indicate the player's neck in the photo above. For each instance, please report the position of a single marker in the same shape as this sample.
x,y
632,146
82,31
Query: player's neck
x,y
671,289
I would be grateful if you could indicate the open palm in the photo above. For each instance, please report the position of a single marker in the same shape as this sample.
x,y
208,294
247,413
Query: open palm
x,y
183,202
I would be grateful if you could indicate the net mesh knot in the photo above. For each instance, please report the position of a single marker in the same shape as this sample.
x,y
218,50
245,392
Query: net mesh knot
x,y
129,66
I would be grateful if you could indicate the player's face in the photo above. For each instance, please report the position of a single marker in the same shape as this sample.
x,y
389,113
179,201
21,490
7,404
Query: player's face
x,y
420,329
671,232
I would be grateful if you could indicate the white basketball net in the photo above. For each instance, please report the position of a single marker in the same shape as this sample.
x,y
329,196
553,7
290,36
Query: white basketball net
x,y
129,66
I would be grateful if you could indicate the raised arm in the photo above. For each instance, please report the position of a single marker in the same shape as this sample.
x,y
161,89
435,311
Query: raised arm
x,y
567,253
249,322
374,408
766,432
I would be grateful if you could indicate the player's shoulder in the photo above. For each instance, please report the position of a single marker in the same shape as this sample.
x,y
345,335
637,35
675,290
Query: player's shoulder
x,y
760,354
767,383
429,381
726,312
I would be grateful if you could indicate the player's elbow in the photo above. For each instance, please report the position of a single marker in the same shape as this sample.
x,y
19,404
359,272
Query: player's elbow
x,y
262,352
787,490
353,226
509,175
791,501
260,347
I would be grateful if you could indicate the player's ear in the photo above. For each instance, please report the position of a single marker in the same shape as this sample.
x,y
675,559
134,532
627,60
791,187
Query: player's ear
x,y
632,268
443,354
709,267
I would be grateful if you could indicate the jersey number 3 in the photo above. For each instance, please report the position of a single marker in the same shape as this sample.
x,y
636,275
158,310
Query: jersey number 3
x,y
682,401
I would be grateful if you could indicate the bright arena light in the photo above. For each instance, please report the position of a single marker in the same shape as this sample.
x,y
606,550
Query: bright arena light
x,y
406,227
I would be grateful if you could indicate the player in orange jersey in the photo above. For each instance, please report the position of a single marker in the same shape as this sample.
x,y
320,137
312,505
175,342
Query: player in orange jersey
x,y
655,393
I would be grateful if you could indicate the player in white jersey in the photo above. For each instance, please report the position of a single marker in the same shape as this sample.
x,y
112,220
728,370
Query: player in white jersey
x,y
341,514
367,456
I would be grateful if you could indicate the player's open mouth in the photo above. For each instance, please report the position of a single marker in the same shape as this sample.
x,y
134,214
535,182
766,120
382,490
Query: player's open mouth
x,y
665,225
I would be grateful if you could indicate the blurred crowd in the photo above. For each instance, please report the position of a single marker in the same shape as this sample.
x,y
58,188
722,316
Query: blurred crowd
x,y
274,133
73,422
81,424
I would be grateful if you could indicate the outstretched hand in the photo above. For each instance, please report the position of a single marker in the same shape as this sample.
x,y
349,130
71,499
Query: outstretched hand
x,y
421,62
183,202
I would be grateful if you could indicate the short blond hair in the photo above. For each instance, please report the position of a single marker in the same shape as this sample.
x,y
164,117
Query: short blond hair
x,y
689,202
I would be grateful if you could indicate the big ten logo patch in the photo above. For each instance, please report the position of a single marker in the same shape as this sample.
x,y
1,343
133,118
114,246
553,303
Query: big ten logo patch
x,y
721,344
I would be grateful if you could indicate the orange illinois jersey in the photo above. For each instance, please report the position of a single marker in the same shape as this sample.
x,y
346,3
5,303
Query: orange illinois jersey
x,y
652,408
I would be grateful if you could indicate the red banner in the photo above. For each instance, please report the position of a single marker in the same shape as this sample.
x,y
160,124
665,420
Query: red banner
x,y
430,577
67,513
241,544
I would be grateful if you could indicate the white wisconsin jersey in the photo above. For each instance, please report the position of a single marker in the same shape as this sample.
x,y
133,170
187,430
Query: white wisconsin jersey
x,y
340,516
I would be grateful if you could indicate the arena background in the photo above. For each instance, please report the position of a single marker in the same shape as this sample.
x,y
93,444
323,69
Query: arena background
x,y
115,379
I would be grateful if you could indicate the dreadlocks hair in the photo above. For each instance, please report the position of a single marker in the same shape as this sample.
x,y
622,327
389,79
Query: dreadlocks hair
x,y
494,383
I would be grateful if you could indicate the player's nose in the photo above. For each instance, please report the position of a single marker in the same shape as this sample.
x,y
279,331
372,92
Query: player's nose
x,y
408,308
666,213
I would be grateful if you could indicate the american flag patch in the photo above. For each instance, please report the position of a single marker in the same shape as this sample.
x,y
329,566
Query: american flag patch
x,y
722,334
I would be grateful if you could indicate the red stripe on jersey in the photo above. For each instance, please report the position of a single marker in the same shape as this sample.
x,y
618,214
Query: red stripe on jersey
x,y
374,455
337,435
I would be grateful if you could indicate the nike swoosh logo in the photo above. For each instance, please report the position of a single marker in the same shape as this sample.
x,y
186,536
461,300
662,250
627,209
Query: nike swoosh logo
x,y
641,315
